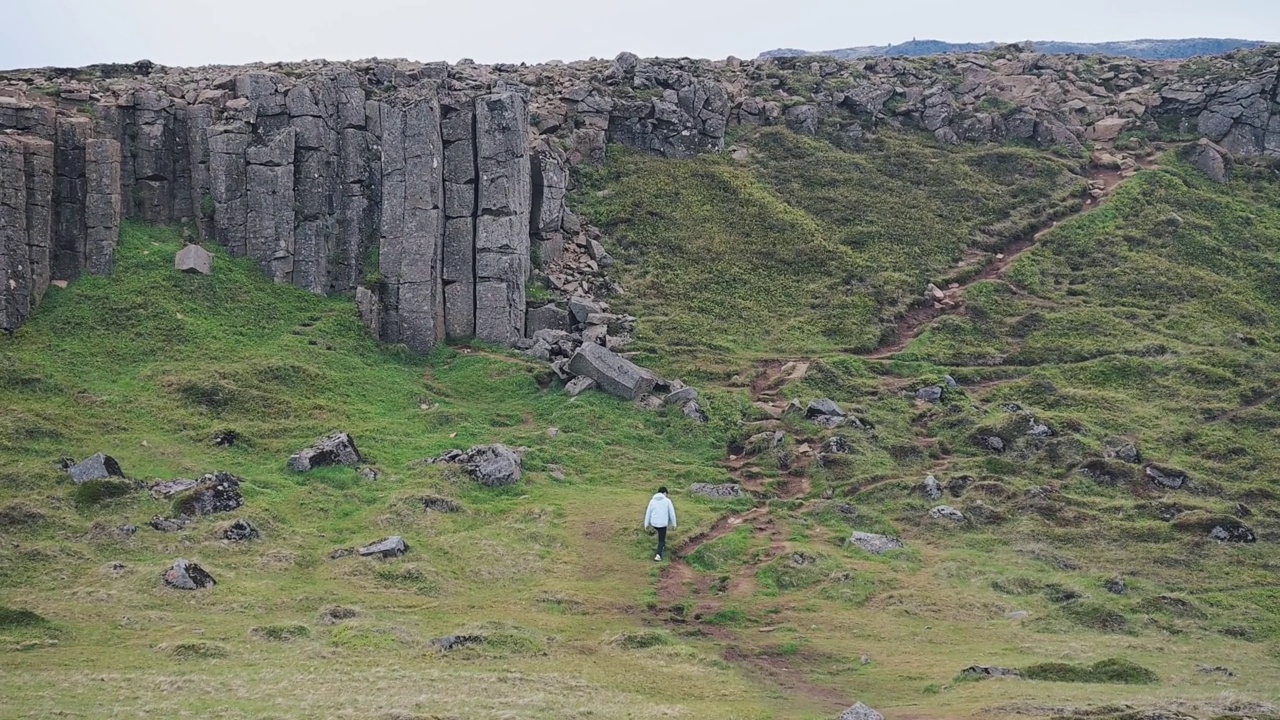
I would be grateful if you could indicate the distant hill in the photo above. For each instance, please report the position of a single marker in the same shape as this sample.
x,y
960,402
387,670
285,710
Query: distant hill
x,y
1145,49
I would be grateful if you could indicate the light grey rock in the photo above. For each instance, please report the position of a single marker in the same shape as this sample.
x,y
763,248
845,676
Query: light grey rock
x,y
873,543
184,575
694,412
615,374
989,671
193,259
240,531
96,467
1211,159
681,396
579,385
547,317
931,394
860,711
823,406
1166,477
932,489
335,449
946,512
391,547
727,491
582,308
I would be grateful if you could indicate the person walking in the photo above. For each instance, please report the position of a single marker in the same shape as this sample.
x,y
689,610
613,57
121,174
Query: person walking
x,y
660,516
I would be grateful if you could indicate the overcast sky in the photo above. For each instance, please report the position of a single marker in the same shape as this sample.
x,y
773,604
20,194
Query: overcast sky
x,y
186,32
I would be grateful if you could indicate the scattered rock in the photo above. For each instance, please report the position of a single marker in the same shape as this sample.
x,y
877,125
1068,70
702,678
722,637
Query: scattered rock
x,y
986,671
823,406
873,543
615,374
185,575
172,487
1217,670
391,547
1011,408
579,385
1039,429
860,712
680,396
946,512
1237,533
369,473
931,394
439,504
213,493
225,438
727,491
556,472
1166,477
335,449
693,411
837,445
240,531
1115,586
193,259
490,465
649,402
97,467
164,524
1210,159
454,642
337,613
1126,452
341,553
932,490
994,443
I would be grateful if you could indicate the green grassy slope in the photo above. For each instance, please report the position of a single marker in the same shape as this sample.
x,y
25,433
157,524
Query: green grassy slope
x,y
1150,320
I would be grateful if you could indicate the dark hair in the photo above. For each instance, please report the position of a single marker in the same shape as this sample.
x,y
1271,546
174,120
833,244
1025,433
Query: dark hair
x,y
663,489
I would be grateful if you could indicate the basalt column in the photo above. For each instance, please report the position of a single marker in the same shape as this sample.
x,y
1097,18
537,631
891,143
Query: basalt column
x,y
412,222
15,291
502,216
459,266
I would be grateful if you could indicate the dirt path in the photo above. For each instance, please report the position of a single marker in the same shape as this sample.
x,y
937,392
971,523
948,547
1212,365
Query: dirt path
x,y
1102,182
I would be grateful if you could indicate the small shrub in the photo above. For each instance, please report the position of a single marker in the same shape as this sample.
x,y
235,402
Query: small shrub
x,y
280,633
1096,617
1111,670
15,618
641,640
196,650
731,617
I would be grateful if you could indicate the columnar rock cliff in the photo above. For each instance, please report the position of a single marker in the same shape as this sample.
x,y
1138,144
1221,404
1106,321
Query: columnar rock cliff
x,y
430,190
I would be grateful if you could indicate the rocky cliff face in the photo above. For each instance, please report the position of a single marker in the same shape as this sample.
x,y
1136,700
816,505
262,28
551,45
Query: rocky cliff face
x,y
429,190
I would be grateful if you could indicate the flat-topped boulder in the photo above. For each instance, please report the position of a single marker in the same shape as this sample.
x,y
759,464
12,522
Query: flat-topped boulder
x,y
193,259
335,449
96,467
613,373
186,575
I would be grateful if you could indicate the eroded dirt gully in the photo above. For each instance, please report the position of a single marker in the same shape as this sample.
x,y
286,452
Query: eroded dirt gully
x,y
1102,184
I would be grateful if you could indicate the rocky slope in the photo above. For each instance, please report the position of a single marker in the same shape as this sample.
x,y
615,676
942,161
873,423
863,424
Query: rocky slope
x,y
429,189
1148,49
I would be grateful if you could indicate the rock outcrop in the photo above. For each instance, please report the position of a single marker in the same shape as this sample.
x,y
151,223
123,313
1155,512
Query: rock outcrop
x,y
432,191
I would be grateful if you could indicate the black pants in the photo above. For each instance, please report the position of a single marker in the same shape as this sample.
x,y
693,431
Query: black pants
x,y
662,540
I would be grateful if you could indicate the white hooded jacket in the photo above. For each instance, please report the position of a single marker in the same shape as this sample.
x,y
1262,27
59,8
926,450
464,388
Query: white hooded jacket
x,y
661,512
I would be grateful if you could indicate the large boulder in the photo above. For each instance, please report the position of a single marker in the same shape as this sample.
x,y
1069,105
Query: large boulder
x,y
613,373
873,543
240,531
391,547
727,491
1164,477
547,317
946,512
97,467
193,259
1210,159
335,449
184,575
490,465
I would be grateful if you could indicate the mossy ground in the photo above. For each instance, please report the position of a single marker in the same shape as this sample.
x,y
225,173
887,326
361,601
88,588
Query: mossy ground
x,y
1121,325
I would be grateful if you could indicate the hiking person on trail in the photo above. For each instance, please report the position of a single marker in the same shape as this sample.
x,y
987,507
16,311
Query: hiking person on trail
x,y
660,516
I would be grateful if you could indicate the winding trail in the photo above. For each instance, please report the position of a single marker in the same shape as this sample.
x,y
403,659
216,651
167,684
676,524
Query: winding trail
x,y
1102,184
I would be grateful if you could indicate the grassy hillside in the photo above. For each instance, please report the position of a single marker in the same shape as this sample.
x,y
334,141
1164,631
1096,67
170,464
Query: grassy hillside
x,y
1149,321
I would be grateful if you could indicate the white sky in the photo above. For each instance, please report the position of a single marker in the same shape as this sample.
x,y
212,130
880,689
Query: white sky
x,y
36,33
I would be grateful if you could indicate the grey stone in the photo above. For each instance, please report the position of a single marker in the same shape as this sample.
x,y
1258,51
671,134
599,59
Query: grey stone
x,y
164,524
96,467
390,547
1236,533
240,531
931,394
490,465
1166,477
172,487
860,711
335,449
1210,159
873,543
1115,586
216,492
989,671
946,512
184,575
193,259
837,445
681,396
579,385
582,308
823,406
727,491
694,412
932,489
547,317
615,374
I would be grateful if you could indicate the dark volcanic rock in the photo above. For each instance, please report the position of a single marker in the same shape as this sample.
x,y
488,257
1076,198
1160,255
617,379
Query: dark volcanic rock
x,y
213,493
490,465
239,531
1237,533
335,449
727,491
164,524
989,671
97,467
454,642
185,575
1170,478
